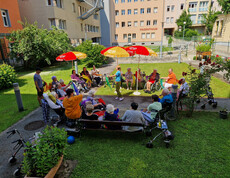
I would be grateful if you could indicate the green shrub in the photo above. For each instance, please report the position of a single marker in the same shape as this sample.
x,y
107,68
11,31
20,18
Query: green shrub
x,y
203,48
7,76
218,59
170,40
93,51
191,33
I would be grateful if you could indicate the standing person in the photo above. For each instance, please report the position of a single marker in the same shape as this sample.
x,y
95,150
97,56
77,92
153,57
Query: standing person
x,y
118,83
38,84
129,78
95,74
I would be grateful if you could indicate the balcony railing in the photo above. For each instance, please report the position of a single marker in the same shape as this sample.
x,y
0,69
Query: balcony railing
x,y
192,9
203,9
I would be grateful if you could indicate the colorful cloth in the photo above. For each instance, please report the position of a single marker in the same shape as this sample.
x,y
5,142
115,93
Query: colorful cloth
x,y
172,78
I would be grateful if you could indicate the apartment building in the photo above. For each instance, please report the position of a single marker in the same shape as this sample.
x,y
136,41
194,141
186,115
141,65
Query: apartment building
x,y
197,8
131,22
172,11
68,15
8,22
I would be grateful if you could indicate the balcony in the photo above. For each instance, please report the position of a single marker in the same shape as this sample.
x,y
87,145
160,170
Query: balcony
x,y
192,9
203,9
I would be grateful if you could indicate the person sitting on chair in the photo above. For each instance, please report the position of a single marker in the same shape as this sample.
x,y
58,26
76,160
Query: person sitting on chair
x,y
86,76
97,105
170,80
140,78
155,107
54,81
154,77
184,89
71,104
134,116
111,116
75,77
95,75
129,78
61,81
91,116
167,98
61,90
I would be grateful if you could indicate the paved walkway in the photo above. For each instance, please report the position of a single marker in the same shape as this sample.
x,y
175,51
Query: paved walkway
x,y
6,148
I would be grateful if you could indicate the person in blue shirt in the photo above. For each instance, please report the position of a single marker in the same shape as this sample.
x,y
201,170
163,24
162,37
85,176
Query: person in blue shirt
x,y
38,84
118,83
167,98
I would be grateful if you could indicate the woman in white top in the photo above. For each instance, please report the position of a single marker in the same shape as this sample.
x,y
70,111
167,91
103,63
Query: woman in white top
x,y
95,75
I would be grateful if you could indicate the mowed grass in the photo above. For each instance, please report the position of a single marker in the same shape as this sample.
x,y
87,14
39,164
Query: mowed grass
x,y
220,89
8,105
200,149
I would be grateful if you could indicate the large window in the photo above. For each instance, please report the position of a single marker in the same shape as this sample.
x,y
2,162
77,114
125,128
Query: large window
x,y
167,19
135,0
122,12
122,1
148,35
154,22
124,36
116,36
142,10
129,0
62,24
172,19
152,35
117,24
5,18
148,10
135,11
52,23
59,3
73,7
172,8
122,24
192,6
129,23
142,23
116,12
182,6
134,36
203,6
116,1
135,24
129,11
168,8
148,22
50,2
143,35
155,9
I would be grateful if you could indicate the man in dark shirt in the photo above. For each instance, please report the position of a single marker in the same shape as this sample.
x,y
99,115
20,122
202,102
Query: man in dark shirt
x,y
38,84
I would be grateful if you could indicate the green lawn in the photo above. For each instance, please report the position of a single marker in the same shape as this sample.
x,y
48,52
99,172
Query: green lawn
x,y
157,48
220,88
200,149
9,113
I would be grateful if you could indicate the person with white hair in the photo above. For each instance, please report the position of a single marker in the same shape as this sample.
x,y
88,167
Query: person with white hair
x,y
129,78
154,77
167,98
111,116
184,89
95,103
95,75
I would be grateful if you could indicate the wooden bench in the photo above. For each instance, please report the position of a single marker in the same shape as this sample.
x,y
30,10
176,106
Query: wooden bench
x,y
81,122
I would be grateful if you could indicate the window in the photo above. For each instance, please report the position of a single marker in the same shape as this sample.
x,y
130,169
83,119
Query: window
x,y
182,6
62,24
134,36
122,12
5,18
95,16
142,23
193,19
135,0
135,24
142,0
172,8
116,36
117,24
122,1
168,8
73,7
124,36
152,35
116,12
129,11
52,23
154,22
148,22
167,20
129,0
116,1
155,9
135,11
81,27
203,6
172,19
200,19
148,10
129,23
59,3
143,35
50,2
142,10
97,29
122,24
192,6
148,35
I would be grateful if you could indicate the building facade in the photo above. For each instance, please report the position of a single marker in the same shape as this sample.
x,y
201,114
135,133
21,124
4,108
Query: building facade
x,y
8,22
64,14
133,21
199,7
172,11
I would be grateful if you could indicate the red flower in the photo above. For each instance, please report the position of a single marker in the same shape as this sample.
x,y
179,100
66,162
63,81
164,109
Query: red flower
x,y
200,64
217,55
213,64
218,66
209,61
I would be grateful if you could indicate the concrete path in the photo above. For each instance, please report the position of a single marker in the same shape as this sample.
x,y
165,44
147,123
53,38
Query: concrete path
x,y
6,148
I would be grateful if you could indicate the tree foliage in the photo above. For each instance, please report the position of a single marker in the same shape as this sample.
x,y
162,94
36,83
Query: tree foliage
x,y
93,51
38,46
209,20
184,17
225,4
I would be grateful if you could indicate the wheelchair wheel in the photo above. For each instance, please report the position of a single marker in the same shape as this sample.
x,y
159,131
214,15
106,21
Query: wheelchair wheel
x,y
149,145
214,105
202,106
210,102
12,160
198,101
17,172
158,86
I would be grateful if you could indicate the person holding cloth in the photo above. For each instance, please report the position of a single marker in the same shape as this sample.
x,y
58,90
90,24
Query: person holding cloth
x,y
38,84
118,83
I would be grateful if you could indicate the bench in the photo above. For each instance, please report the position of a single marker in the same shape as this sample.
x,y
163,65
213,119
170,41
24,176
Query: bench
x,y
81,122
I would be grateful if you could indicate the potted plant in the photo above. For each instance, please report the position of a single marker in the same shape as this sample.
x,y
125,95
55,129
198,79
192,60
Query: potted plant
x,y
43,157
223,113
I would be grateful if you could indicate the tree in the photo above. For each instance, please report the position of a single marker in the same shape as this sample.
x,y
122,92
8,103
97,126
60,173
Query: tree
x,y
93,51
209,20
184,17
38,46
225,4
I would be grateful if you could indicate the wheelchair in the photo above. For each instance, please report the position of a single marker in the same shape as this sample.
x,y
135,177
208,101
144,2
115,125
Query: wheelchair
x,y
156,86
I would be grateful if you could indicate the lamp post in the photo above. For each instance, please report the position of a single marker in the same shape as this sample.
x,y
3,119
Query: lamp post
x,y
184,30
162,31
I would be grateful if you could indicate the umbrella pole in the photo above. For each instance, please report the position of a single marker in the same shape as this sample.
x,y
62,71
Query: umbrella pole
x,y
72,65
137,92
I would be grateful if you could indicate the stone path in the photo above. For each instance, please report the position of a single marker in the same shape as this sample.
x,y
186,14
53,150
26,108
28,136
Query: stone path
x,y
6,148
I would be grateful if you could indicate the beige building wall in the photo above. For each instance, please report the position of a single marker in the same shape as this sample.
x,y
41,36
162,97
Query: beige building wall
x,y
198,7
173,10
221,29
65,16
136,30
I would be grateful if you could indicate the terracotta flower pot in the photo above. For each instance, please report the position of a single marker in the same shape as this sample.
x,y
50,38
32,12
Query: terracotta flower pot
x,y
53,171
